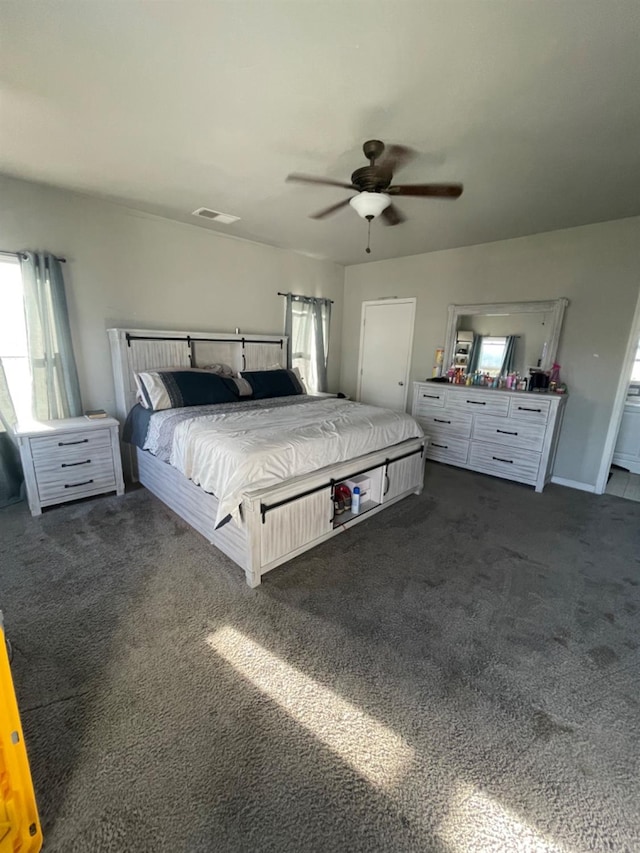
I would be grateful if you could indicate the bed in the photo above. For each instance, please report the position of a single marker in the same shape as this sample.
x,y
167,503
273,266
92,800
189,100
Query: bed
x,y
257,476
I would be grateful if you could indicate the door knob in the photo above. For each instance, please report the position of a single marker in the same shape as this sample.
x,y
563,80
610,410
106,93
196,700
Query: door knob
x,y
400,383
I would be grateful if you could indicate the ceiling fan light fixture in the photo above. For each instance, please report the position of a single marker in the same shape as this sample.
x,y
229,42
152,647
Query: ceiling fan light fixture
x,y
370,204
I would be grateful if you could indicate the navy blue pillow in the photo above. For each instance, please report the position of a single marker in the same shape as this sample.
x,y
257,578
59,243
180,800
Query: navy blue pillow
x,y
272,383
192,388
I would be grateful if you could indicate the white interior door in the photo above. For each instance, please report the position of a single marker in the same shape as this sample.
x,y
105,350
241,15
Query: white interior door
x,y
386,341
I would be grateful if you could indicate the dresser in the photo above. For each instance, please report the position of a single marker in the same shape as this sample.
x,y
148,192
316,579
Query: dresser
x,y
70,458
510,434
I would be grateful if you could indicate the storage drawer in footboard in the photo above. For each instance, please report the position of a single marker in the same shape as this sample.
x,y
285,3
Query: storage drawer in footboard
x,y
294,524
402,475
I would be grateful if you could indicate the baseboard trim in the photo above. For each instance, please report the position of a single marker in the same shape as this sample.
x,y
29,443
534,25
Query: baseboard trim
x,y
573,484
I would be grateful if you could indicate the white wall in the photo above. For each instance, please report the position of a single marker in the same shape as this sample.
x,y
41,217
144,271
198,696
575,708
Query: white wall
x,y
129,268
596,266
126,268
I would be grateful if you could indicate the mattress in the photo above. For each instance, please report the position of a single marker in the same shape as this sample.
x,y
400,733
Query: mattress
x,y
232,448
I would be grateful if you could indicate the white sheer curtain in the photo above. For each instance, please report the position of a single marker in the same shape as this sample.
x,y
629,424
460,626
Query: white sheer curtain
x,y
55,386
38,376
307,321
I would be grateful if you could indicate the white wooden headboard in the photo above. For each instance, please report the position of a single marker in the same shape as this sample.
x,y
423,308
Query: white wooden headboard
x,y
134,350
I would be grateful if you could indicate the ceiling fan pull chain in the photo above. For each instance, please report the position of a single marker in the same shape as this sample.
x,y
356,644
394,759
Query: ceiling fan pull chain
x,y
369,235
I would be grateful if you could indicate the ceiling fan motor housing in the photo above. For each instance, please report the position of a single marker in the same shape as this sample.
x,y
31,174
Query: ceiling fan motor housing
x,y
371,179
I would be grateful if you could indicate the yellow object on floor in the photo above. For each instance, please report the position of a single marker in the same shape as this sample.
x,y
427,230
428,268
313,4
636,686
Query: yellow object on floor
x,y
19,823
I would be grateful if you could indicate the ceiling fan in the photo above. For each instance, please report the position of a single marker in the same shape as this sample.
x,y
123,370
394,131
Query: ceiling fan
x,y
373,185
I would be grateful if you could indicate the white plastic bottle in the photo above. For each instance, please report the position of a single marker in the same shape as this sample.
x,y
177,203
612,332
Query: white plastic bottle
x,y
355,500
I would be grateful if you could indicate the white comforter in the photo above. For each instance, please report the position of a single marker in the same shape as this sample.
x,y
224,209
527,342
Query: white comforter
x,y
236,452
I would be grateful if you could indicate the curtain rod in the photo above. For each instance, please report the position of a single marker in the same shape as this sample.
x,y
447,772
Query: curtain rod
x,y
22,255
306,297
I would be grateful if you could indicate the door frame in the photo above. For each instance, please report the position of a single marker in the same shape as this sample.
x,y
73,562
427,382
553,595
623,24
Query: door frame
x,y
618,405
411,300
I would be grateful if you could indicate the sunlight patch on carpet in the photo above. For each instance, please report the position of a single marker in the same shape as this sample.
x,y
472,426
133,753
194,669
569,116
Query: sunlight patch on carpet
x,y
369,747
475,821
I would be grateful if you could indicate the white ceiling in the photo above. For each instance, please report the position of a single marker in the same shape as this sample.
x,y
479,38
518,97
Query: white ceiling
x,y
169,105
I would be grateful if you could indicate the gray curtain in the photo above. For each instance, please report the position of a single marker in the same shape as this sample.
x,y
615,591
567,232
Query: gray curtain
x,y
307,321
474,355
11,478
509,357
56,390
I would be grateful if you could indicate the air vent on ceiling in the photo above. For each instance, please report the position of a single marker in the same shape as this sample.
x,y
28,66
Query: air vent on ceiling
x,y
215,216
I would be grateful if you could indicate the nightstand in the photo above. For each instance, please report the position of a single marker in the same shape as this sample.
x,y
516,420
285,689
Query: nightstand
x,y
70,458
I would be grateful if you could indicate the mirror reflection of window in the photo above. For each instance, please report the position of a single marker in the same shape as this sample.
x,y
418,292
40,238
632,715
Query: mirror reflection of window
x,y
530,329
491,355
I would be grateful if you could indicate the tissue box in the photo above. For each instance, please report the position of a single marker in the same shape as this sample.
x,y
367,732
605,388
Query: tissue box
x,y
362,482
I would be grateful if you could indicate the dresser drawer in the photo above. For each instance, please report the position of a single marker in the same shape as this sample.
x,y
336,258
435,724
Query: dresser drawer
x,y
70,446
514,463
510,432
427,397
446,423
530,409
478,402
61,481
446,449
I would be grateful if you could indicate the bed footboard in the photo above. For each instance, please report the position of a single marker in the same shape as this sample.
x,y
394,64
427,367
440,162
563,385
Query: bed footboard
x,y
284,521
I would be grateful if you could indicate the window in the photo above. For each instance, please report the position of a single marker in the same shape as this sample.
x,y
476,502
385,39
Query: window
x,y
13,337
635,370
309,330
36,352
491,355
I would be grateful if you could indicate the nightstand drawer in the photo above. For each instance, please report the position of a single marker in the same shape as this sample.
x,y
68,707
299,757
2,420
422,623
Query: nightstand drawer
x,y
70,446
62,481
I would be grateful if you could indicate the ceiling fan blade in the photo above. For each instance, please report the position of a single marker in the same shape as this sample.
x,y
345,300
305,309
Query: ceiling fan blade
x,y
395,157
392,215
428,190
329,210
312,179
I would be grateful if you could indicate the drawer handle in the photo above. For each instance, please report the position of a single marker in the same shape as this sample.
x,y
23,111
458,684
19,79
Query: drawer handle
x,y
443,446
387,484
497,458
432,396
66,443
441,421
73,464
506,432
525,409
73,485
477,402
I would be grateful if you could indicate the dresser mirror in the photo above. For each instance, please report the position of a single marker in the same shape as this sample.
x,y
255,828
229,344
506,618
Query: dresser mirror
x,y
530,329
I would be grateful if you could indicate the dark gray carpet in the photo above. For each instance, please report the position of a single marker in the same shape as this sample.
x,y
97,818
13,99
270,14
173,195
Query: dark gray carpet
x,y
460,673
